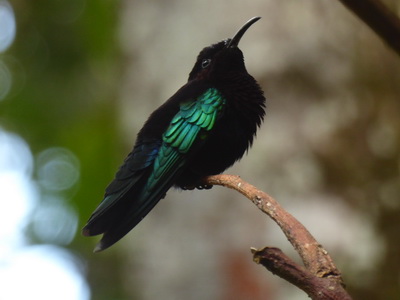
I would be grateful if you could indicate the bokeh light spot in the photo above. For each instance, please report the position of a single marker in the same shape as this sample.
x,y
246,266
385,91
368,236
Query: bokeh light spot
x,y
58,169
19,194
15,154
43,272
55,223
7,25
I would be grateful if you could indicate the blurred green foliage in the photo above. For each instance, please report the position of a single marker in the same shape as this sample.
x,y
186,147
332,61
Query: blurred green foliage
x,y
65,69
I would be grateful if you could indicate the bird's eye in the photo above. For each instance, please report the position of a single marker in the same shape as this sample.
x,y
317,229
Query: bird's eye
x,y
205,63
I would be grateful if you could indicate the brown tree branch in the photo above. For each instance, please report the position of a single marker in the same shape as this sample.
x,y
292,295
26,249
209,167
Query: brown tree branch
x,y
320,278
379,18
328,288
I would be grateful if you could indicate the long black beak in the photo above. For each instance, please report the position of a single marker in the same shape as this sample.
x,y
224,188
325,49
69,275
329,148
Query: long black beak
x,y
236,38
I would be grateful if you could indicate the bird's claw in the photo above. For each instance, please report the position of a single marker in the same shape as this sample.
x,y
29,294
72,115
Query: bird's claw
x,y
188,187
199,186
204,186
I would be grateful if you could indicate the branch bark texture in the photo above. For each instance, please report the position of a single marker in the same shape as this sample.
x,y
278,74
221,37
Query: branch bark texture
x,y
320,278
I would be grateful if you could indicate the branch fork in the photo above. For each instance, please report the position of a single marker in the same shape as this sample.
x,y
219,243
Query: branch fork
x,y
319,277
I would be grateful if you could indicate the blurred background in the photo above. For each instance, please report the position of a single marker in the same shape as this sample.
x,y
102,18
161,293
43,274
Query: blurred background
x,y
78,79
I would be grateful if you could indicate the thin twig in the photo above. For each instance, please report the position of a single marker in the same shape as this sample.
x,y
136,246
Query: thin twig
x,y
379,18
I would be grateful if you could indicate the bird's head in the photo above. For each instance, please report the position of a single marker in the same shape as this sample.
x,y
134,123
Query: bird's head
x,y
221,59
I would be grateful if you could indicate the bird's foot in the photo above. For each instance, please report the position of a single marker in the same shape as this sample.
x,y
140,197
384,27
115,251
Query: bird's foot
x,y
199,186
188,187
204,186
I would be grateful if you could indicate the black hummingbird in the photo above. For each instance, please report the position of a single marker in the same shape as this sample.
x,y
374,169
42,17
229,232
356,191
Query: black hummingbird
x,y
203,129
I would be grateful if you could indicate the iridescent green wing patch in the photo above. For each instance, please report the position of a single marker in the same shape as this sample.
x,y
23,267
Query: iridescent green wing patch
x,y
193,117
193,122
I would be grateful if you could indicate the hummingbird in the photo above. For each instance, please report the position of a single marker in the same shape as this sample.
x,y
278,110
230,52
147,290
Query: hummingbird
x,y
203,129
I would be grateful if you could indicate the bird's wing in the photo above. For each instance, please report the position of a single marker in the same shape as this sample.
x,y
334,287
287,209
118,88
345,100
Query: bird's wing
x,y
147,176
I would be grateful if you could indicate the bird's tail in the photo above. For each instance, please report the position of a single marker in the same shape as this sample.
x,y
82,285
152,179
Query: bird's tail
x,y
120,212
